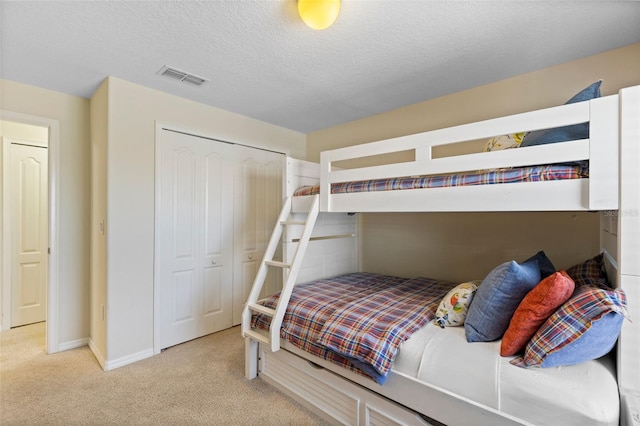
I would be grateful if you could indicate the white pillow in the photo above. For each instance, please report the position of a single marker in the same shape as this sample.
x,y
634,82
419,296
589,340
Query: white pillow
x,y
453,308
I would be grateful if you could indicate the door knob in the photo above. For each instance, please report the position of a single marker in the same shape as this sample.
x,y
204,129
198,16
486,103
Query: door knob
x,y
213,262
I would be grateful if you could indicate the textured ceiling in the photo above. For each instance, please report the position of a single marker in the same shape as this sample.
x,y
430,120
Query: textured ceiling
x,y
263,62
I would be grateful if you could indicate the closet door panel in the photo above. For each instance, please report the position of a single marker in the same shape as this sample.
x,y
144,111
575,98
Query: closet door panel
x,y
178,258
183,203
214,213
216,307
184,310
249,197
247,252
258,199
196,237
217,239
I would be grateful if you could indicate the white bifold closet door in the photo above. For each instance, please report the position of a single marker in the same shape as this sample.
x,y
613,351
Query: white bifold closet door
x,y
258,194
214,199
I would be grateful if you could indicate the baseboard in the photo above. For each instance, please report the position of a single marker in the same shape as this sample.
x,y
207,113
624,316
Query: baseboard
x,y
120,362
65,346
129,359
97,354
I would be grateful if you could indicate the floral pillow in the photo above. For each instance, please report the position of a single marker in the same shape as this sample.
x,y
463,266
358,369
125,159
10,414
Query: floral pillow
x,y
498,143
453,308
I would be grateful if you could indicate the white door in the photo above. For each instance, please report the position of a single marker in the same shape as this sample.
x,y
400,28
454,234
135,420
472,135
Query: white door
x,y
195,238
258,194
29,233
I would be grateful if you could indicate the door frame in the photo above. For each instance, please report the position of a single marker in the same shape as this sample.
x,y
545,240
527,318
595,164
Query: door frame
x,y
52,324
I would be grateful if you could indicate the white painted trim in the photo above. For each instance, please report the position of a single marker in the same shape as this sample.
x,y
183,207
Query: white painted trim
x,y
217,138
129,359
97,354
156,248
119,362
73,344
5,318
52,331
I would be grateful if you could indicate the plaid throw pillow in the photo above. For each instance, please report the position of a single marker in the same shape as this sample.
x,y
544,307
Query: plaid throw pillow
x,y
585,327
590,272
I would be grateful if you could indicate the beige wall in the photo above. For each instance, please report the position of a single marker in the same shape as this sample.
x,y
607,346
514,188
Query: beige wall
x,y
25,132
132,112
436,244
73,276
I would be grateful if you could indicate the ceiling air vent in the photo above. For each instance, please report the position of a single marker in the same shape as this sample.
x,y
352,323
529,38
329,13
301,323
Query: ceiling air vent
x,y
176,74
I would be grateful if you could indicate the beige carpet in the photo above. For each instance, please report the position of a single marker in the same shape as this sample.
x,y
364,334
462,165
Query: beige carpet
x,y
198,382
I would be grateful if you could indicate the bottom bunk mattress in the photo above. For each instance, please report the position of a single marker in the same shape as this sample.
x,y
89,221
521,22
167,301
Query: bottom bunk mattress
x,y
583,394
414,350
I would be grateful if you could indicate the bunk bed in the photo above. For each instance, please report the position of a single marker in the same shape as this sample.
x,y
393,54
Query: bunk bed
x,y
438,377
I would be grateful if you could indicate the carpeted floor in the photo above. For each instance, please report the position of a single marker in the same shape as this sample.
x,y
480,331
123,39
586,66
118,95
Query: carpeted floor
x,y
198,382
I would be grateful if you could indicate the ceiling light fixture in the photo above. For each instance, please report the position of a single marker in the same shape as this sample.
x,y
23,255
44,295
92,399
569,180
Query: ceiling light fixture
x,y
319,14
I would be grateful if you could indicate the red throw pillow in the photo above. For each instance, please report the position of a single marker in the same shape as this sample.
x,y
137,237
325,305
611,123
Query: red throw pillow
x,y
533,311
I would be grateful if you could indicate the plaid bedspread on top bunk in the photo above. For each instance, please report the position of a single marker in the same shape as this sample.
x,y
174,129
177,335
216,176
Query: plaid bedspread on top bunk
x,y
357,320
508,175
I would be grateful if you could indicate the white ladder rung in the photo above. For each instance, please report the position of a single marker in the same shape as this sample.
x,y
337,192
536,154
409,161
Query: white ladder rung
x,y
292,222
277,264
272,337
257,336
262,309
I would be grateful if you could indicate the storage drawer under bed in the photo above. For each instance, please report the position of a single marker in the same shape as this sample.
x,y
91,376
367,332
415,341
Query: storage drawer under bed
x,y
332,397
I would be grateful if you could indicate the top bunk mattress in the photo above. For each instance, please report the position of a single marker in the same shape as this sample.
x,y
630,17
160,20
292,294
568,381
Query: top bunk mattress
x,y
537,173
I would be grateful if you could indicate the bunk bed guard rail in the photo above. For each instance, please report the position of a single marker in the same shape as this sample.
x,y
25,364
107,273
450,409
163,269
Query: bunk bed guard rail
x,y
601,149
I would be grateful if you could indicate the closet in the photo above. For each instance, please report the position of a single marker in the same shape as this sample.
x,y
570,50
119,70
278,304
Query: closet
x,y
217,204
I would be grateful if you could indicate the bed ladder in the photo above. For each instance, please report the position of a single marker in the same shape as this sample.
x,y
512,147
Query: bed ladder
x,y
290,273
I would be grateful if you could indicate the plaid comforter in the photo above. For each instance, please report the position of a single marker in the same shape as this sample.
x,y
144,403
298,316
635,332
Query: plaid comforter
x,y
357,320
519,174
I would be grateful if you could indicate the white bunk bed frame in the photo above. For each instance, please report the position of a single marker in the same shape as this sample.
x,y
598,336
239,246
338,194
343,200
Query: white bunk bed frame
x,y
613,188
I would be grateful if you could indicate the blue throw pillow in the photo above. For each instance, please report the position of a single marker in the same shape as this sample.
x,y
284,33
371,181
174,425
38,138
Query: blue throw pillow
x,y
585,327
497,298
544,264
594,343
566,133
